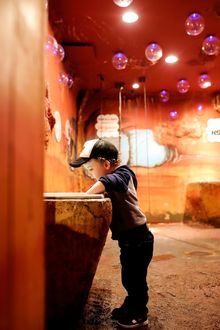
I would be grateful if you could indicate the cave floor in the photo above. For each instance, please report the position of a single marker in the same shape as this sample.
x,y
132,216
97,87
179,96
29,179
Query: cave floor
x,y
183,279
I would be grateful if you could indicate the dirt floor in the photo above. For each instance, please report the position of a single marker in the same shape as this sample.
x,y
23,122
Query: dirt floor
x,y
184,281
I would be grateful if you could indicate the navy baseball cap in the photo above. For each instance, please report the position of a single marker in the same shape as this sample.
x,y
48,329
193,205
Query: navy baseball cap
x,y
94,149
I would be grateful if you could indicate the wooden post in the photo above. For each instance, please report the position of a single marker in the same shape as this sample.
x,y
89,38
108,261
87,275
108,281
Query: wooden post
x,y
22,28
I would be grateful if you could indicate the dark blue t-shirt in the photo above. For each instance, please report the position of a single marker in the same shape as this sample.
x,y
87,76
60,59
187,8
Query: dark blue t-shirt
x,y
121,186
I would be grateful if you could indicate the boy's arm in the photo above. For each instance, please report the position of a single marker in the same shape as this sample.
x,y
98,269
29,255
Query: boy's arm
x,y
97,188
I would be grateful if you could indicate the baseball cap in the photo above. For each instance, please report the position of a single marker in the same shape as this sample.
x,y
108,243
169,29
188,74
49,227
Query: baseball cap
x,y
94,149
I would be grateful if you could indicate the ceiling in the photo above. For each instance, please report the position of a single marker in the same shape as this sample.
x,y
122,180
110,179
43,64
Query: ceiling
x,y
91,31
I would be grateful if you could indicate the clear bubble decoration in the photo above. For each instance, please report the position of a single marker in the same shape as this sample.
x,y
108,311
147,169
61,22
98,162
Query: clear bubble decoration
x,y
173,114
199,109
211,45
194,24
66,79
51,44
204,81
164,96
153,52
119,61
123,3
59,52
63,78
70,81
183,86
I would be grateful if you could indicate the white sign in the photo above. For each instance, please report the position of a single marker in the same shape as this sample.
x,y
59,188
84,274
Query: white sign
x,y
107,126
213,130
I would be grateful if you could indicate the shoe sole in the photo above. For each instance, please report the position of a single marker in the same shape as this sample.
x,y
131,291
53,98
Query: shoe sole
x,y
132,326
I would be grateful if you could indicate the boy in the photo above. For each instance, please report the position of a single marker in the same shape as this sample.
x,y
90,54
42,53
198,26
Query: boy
x,y
128,226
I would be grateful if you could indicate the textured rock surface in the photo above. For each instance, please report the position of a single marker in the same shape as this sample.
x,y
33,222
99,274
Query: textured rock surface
x,y
75,235
202,202
184,282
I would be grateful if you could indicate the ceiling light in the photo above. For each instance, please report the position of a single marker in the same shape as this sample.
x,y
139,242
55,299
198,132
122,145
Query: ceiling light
x,y
123,3
171,59
130,17
173,114
204,80
135,85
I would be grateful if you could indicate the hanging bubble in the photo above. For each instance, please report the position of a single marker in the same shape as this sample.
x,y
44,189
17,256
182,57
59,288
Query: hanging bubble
x,y
63,78
51,44
119,61
204,81
211,45
183,86
194,24
66,79
59,52
123,3
70,81
153,52
199,109
173,114
164,95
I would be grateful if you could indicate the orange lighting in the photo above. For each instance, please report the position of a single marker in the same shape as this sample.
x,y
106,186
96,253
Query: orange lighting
x,y
171,59
130,17
135,85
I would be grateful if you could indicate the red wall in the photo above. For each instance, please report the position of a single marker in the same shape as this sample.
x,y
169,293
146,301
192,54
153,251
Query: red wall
x,y
162,188
58,176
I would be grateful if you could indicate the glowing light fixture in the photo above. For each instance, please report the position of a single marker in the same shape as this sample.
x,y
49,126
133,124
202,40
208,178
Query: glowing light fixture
x,y
130,17
204,80
135,85
199,109
123,3
171,59
173,114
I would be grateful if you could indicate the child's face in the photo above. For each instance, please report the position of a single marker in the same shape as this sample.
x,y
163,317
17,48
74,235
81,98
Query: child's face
x,y
98,168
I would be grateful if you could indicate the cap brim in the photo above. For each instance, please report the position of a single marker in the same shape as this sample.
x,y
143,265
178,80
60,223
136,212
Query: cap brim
x,y
78,162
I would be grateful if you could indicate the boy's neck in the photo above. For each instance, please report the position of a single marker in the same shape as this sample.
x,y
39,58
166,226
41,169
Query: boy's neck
x,y
114,167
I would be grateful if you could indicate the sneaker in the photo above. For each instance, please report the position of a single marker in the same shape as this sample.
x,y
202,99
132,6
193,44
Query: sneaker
x,y
121,311
132,323
116,313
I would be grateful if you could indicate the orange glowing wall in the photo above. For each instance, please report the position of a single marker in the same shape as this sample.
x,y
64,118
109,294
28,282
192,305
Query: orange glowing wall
x,y
192,158
22,36
58,176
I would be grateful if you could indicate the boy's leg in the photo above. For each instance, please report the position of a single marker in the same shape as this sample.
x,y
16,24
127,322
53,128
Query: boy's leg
x,y
135,259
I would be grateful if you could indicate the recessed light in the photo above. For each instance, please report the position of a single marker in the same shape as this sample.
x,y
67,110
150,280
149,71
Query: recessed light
x,y
135,85
130,17
206,84
171,59
204,80
123,3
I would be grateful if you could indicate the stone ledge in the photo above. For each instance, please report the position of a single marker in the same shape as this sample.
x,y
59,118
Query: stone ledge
x,y
203,203
76,232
